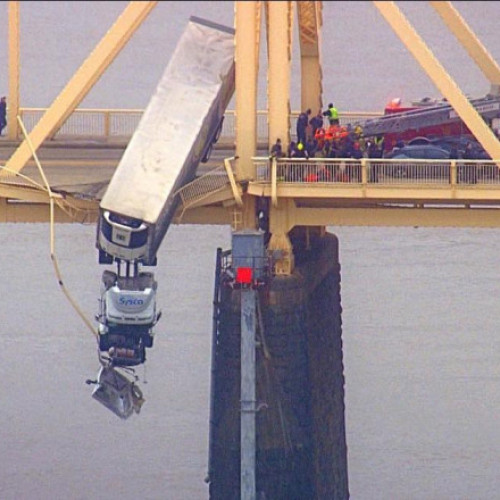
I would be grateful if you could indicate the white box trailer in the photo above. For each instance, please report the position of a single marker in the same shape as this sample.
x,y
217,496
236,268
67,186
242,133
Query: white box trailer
x,y
176,132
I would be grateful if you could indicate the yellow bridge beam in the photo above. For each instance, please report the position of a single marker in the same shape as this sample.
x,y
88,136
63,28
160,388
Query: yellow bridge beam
x,y
401,217
247,41
247,28
82,81
279,39
40,212
309,17
436,72
464,34
13,100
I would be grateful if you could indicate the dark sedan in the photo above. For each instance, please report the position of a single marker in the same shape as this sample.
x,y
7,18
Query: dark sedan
x,y
419,152
456,144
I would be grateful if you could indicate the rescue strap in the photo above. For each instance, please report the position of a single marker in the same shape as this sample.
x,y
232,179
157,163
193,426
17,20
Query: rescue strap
x,y
53,256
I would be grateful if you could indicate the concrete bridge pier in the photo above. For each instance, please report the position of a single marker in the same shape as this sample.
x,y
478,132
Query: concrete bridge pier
x,y
300,424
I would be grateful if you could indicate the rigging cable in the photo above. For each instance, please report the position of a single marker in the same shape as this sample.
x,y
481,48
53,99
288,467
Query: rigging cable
x,y
53,257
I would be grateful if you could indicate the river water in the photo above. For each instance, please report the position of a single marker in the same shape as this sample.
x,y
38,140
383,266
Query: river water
x,y
420,306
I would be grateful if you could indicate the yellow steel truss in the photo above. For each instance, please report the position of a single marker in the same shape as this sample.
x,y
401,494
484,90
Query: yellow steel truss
x,y
82,81
443,81
291,205
464,34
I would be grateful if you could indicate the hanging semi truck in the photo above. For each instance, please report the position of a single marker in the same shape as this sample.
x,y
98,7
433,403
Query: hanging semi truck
x,y
176,132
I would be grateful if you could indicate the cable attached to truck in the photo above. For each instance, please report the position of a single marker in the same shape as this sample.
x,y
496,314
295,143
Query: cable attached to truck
x,y
54,197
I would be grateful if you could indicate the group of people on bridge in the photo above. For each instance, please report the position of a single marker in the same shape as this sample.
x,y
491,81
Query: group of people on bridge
x,y
315,139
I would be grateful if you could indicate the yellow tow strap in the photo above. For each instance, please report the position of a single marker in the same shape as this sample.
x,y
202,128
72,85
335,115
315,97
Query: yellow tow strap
x,y
52,197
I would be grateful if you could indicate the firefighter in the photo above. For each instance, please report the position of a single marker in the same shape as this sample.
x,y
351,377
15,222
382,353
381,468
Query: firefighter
x,y
379,145
277,150
301,151
316,122
302,122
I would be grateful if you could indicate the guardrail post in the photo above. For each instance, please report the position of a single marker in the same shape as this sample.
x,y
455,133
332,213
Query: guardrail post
x,y
107,124
274,177
453,173
364,174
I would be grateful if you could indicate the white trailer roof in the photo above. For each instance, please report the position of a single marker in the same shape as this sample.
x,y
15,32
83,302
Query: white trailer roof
x,y
157,160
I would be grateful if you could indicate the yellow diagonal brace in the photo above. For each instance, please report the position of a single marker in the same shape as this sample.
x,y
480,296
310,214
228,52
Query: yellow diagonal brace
x,y
469,40
443,81
82,81
232,181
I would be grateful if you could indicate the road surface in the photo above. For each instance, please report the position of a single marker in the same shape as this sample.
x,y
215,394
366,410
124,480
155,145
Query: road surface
x,y
85,166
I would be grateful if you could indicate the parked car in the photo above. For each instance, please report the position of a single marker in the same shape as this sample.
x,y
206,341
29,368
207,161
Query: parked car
x,y
459,143
418,152
440,148
467,173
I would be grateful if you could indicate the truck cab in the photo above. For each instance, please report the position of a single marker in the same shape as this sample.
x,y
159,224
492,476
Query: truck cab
x,y
127,315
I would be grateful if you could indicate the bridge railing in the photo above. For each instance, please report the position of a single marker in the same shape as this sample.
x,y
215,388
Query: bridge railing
x,y
120,124
365,171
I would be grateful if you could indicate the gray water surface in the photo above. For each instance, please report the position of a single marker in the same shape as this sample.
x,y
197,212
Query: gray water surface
x,y
421,353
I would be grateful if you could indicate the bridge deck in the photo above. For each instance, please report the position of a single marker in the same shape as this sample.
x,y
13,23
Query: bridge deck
x,y
442,194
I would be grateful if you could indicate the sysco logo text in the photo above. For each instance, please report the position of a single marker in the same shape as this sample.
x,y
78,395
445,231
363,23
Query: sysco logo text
x,y
131,301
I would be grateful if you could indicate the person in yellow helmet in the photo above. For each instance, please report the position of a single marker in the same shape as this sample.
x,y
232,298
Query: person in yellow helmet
x,y
301,151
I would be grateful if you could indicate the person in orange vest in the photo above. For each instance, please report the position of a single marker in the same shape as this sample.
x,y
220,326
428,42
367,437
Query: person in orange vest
x,y
343,132
320,137
331,133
